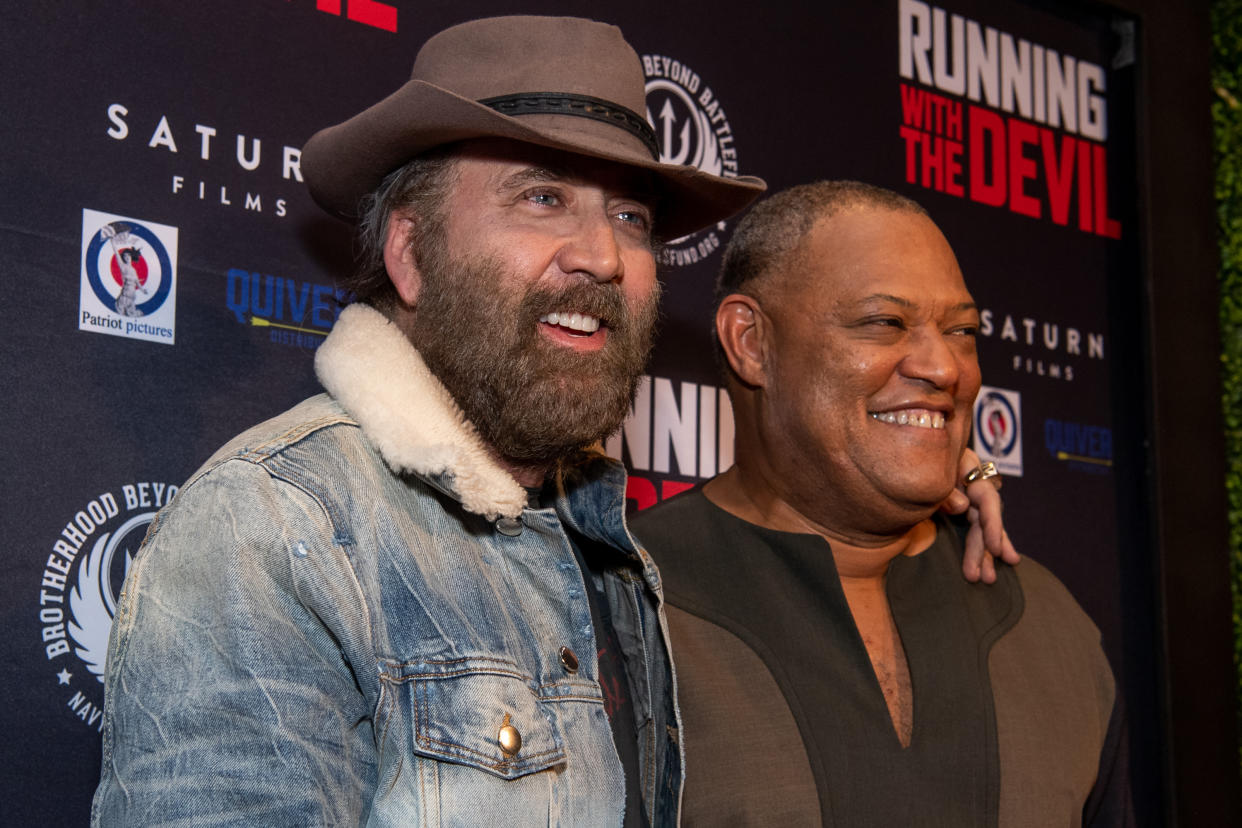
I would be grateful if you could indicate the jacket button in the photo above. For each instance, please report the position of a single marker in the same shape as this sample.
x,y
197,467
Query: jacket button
x,y
568,660
508,738
509,526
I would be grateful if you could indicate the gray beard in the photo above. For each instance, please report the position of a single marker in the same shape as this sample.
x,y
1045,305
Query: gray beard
x,y
532,401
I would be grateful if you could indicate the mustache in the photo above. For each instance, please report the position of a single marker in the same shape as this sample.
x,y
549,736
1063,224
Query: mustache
x,y
603,301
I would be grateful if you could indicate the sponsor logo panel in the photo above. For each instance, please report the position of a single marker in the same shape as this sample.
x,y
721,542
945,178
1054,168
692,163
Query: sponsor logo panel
x,y
289,311
1042,348
998,428
228,171
1082,447
129,277
79,588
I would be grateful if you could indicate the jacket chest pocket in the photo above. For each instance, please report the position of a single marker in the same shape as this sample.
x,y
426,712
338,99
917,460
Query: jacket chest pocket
x,y
489,720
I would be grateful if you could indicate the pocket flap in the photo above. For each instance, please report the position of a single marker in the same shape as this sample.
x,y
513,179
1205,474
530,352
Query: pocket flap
x,y
458,716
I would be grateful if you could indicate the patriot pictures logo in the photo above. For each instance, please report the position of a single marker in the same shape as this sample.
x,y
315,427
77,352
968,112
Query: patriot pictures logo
x,y
692,129
129,277
998,428
80,586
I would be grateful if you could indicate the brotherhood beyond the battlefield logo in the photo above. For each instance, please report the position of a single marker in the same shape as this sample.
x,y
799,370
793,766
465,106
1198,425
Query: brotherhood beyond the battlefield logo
x,y
81,584
692,128
129,277
998,428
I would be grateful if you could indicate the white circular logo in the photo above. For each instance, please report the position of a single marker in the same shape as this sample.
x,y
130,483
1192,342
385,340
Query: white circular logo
x,y
692,128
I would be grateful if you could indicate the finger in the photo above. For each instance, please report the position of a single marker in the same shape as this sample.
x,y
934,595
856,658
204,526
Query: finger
x,y
989,570
967,462
972,560
956,503
988,501
1008,554
993,530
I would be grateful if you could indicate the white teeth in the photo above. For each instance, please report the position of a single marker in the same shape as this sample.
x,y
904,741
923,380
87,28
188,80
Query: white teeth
x,y
917,417
573,321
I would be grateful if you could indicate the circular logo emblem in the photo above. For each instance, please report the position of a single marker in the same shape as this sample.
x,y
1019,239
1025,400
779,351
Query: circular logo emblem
x,y
682,128
80,585
128,268
692,129
996,423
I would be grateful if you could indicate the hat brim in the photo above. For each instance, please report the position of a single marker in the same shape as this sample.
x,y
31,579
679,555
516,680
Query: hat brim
x,y
343,163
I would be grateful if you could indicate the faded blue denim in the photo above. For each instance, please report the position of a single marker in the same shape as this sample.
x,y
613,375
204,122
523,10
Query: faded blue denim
x,y
306,638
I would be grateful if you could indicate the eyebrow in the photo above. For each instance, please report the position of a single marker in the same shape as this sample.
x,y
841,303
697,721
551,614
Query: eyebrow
x,y
533,175
906,303
639,190
888,297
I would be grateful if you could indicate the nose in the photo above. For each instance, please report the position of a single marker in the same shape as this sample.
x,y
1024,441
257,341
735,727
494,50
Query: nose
x,y
592,249
932,359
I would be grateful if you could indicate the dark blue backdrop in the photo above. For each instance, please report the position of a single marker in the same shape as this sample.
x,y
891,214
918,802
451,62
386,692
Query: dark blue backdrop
x,y
173,129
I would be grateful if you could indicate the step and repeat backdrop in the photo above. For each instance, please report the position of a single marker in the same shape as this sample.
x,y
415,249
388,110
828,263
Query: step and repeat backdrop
x,y
168,279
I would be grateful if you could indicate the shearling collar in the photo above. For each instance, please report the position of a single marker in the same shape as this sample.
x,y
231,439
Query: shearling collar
x,y
370,368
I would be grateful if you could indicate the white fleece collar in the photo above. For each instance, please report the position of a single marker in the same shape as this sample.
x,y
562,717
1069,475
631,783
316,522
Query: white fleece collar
x,y
370,368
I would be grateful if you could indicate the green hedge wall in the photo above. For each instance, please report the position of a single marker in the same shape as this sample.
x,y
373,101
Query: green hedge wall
x,y
1227,126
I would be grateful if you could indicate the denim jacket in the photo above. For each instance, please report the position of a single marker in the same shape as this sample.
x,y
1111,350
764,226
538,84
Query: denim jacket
x,y
337,617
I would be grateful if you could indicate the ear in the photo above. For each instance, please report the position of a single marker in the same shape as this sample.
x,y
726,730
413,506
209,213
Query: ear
x,y
399,259
743,330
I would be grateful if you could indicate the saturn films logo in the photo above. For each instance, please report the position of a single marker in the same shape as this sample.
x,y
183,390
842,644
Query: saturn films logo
x,y
129,277
998,428
692,129
80,586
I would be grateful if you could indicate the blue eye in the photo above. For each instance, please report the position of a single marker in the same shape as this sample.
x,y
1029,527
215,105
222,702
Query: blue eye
x,y
634,217
545,199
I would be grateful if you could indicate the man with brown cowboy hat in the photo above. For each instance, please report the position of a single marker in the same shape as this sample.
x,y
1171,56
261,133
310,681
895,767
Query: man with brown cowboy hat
x,y
413,599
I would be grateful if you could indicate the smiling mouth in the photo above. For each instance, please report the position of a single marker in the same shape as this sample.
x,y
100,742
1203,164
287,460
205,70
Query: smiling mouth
x,y
580,324
915,417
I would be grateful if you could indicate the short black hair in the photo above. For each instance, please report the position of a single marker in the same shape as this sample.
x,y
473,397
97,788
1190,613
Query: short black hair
x,y
776,226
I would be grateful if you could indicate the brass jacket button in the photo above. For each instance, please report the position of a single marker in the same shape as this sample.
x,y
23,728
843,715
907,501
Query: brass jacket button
x,y
509,739
568,660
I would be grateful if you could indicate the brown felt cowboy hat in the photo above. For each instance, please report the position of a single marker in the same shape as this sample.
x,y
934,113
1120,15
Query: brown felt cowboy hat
x,y
559,82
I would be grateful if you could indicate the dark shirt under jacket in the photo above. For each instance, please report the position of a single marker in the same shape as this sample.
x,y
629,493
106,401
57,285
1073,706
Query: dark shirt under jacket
x,y
785,722
614,677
